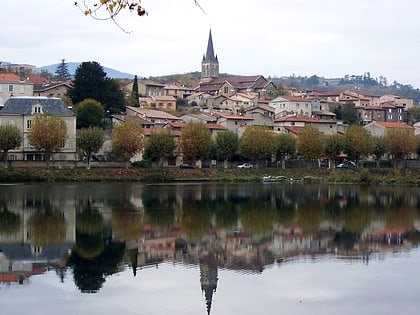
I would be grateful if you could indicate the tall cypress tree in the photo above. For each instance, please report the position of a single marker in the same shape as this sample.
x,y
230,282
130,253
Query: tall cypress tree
x,y
135,92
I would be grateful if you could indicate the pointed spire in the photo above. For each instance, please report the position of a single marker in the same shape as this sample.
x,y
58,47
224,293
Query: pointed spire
x,y
210,50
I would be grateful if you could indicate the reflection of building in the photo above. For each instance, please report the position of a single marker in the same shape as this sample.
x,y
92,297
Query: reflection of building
x,y
208,278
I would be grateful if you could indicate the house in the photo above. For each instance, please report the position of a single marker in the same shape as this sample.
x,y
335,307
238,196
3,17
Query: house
x,y
293,124
263,114
14,85
380,128
146,88
178,91
396,100
234,122
53,89
202,117
228,86
383,112
286,105
20,112
158,117
238,102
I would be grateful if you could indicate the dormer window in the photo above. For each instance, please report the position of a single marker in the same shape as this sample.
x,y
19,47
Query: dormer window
x,y
36,109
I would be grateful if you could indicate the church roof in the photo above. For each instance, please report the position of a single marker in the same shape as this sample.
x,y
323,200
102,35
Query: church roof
x,y
210,57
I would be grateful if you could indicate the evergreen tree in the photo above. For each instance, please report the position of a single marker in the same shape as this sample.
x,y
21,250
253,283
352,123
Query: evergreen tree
x,y
62,71
135,92
90,81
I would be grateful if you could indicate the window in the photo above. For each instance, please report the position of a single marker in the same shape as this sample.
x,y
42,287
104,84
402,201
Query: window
x,y
12,122
21,89
226,90
28,124
10,88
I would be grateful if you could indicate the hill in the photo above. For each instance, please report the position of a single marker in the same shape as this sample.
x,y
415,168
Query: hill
x,y
111,73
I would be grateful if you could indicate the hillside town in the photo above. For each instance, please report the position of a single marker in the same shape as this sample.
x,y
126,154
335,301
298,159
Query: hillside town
x,y
223,103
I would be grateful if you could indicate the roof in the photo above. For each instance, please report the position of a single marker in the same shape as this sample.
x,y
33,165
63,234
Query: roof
x,y
152,113
210,51
9,78
22,105
237,82
236,117
303,119
293,99
392,125
50,86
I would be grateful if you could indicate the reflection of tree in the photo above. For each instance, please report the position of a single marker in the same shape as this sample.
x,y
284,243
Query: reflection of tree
x,y
357,218
89,221
89,246
160,208
9,221
89,274
47,226
285,214
127,223
345,239
400,216
309,216
257,218
195,219
226,215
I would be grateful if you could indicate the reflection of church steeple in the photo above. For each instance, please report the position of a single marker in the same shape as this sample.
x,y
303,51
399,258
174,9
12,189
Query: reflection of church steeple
x,y
208,278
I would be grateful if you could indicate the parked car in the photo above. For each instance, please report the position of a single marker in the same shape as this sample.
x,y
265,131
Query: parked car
x,y
186,166
346,164
245,165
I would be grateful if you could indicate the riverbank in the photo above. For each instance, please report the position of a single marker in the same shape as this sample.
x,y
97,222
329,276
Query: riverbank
x,y
352,176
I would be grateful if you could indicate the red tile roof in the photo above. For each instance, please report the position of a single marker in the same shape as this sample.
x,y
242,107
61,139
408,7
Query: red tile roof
x,y
9,78
395,125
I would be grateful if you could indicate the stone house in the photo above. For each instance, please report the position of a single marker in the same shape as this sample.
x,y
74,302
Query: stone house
x,y
292,124
20,112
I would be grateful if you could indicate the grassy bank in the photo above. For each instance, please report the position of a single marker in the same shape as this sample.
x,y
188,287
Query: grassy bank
x,y
357,176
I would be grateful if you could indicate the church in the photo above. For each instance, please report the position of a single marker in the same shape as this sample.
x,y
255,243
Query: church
x,y
214,84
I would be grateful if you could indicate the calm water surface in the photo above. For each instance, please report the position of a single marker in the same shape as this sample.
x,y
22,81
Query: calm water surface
x,y
126,248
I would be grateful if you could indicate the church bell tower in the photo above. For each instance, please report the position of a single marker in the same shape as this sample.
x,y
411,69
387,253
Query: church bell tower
x,y
210,64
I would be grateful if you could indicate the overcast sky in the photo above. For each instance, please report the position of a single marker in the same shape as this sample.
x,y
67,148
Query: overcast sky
x,y
329,38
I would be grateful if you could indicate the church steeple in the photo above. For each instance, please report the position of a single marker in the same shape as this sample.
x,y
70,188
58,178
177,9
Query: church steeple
x,y
210,63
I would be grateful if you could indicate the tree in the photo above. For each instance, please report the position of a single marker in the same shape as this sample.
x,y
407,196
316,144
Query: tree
x,y
334,145
134,96
159,145
285,145
114,99
10,138
62,71
90,81
257,143
227,144
309,143
48,134
349,113
195,141
89,141
127,139
110,9
358,142
380,147
89,113
401,142
414,113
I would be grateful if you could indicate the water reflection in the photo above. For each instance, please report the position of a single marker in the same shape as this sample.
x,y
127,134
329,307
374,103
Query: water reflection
x,y
91,231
